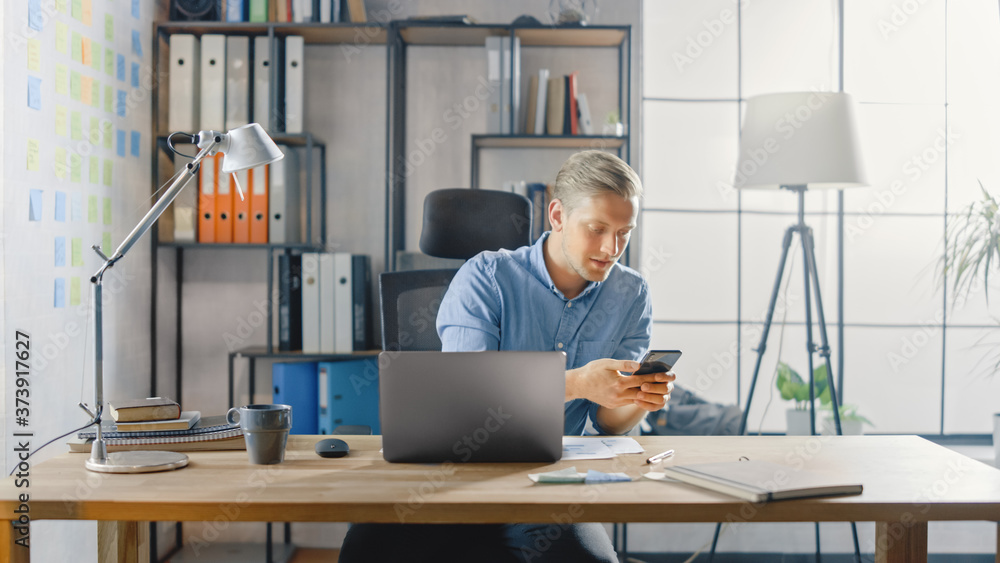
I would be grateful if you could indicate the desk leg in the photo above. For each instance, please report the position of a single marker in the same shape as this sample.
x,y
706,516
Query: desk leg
x,y
11,551
122,542
896,542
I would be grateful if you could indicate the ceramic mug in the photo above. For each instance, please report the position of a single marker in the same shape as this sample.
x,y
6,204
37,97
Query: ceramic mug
x,y
265,428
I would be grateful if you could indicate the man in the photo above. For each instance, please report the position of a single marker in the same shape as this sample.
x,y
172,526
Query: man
x,y
566,292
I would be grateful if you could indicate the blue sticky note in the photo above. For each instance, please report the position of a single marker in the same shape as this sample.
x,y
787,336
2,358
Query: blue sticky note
x,y
135,75
120,104
35,14
60,251
136,139
120,142
35,205
60,206
59,297
120,67
76,207
34,92
135,9
136,42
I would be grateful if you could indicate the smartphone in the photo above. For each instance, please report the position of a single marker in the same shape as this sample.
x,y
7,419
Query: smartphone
x,y
658,361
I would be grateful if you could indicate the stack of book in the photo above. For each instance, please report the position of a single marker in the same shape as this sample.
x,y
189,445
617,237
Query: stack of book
x,y
556,106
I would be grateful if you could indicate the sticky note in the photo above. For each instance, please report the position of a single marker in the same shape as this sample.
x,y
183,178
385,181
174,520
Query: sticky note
x,y
107,211
92,209
77,9
85,51
136,139
106,133
95,170
96,55
59,164
106,243
60,206
33,155
85,89
120,67
109,27
76,44
109,62
34,92
120,142
59,293
76,126
136,42
135,75
60,251
95,93
61,118
75,167
61,7
35,14
62,38
34,55
120,105
135,9
109,99
35,205
76,207
74,85
62,79
88,12
107,172
74,291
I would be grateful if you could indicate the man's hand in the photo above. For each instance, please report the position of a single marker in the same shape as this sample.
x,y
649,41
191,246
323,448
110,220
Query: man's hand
x,y
600,382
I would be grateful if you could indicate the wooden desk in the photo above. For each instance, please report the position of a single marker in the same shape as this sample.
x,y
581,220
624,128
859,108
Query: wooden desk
x,y
908,481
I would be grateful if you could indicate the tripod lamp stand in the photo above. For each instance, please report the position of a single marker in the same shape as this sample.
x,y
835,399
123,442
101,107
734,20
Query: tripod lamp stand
x,y
243,148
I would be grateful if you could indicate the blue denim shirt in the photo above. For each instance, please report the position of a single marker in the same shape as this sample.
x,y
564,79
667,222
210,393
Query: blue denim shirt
x,y
506,301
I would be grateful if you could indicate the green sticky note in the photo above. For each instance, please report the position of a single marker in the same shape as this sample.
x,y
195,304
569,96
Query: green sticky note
x,y
76,126
107,211
95,93
60,163
62,79
95,133
95,170
106,243
74,290
74,85
109,62
95,56
33,154
61,7
107,172
77,251
109,106
92,209
106,134
77,10
61,119
77,47
62,38
75,167
109,28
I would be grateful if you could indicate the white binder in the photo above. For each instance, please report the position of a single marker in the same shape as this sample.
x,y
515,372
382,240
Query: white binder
x,y
283,203
310,303
213,82
262,83
342,295
186,203
294,51
493,72
237,81
541,101
326,11
184,83
510,74
327,305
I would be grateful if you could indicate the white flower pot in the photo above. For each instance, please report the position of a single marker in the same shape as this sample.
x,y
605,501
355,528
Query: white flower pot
x,y
798,422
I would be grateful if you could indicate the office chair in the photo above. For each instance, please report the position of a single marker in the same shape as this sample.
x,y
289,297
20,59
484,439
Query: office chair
x,y
458,223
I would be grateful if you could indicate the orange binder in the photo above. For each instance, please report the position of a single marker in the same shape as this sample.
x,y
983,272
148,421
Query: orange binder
x,y
258,205
206,198
241,209
223,206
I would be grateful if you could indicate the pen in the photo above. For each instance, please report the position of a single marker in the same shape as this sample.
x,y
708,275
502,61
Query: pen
x,y
660,457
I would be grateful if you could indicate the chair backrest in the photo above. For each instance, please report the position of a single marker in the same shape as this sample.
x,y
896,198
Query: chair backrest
x,y
460,222
410,302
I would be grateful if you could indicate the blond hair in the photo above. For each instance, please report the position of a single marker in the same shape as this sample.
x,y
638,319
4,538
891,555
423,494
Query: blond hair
x,y
591,173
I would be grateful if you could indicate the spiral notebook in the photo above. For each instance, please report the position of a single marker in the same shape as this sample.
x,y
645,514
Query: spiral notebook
x,y
208,435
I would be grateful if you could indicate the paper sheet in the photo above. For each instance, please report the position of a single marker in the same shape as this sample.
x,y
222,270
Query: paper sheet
x,y
578,447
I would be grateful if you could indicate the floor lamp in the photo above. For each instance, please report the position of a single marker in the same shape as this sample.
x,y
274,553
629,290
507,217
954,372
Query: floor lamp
x,y
797,141
242,148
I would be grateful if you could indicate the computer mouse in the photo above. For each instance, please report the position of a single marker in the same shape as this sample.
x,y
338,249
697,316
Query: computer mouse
x,y
332,447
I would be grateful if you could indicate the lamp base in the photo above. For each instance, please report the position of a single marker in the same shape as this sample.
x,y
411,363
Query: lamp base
x,y
138,462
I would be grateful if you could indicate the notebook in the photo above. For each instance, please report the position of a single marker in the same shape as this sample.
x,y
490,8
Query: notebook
x,y
472,406
762,481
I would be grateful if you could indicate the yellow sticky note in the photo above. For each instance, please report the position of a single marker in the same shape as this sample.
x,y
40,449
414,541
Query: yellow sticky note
x,y
62,7
62,38
85,51
95,132
109,27
76,251
33,156
109,104
95,93
62,79
60,163
75,167
74,290
86,89
88,12
76,126
95,172
107,133
74,85
92,209
106,243
107,211
34,55
61,119
107,172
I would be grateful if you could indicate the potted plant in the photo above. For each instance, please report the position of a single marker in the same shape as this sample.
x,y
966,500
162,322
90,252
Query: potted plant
x,y
793,388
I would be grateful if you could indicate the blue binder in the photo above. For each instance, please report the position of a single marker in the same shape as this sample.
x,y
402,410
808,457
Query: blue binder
x,y
295,384
348,394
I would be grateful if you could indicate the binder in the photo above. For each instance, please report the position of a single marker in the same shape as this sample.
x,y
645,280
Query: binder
x,y
554,106
258,205
186,203
223,205
566,121
310,303
348,394
213,82
235,10
529,113
284,7
302,10
326,10
294,45
361,300
206,198
511,79
493,72
574,123
327,305
296,385
237,81
283,199
343,296
241,207
289,302
262,82
540,102
185,87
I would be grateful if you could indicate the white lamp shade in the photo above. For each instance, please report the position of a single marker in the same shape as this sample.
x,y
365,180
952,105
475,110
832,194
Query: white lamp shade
x,y
800,138
246,147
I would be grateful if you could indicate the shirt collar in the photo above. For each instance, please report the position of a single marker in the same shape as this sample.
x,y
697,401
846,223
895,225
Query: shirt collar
x,y
537,262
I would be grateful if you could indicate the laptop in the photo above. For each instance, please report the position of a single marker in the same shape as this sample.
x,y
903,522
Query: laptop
x,y
472,406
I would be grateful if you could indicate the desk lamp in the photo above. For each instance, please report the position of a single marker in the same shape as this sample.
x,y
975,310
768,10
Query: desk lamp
x,y
243,148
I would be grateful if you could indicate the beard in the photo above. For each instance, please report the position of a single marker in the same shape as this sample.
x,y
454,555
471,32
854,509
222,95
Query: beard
x,y
594,274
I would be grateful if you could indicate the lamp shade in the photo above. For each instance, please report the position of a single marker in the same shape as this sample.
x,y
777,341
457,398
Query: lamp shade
x,y
800,138
246,147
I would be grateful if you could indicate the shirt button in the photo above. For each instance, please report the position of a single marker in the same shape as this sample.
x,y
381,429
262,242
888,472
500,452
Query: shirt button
x,y
568,305
559,346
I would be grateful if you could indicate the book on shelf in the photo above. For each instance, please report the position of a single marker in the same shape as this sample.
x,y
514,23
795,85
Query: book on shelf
x,y
761,481
555,105
151,408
